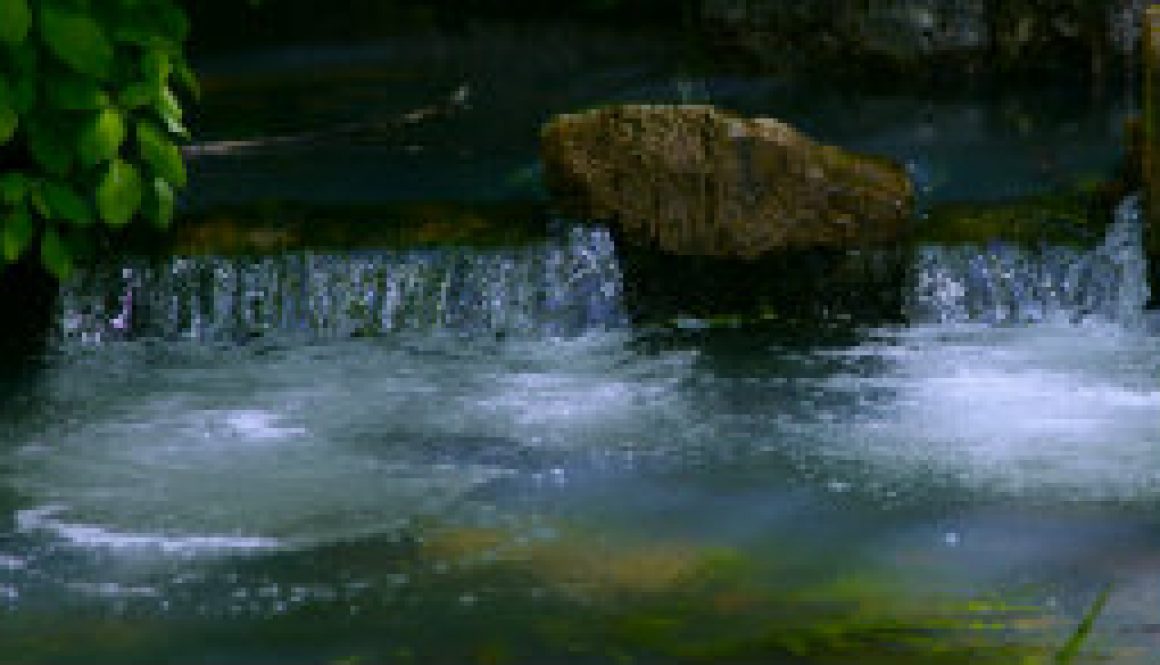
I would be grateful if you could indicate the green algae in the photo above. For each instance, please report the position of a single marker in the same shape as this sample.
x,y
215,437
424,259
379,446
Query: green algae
x,y
597,599
1074,217
277,227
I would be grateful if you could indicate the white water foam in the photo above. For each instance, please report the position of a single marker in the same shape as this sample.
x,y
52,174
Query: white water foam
x,y
43,519
1007,284
1026,374
1054,411
565,285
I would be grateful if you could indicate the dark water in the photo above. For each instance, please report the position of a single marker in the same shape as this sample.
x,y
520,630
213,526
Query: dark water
x,y
469,455
457,117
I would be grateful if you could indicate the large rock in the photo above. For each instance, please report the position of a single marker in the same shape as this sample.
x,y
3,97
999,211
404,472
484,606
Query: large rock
x,y
696,181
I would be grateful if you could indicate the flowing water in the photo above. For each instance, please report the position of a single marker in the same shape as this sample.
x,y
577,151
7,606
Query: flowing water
x,y
461,455
470,455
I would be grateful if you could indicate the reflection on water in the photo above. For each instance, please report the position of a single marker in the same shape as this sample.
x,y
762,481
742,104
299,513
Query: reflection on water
x,y
350,105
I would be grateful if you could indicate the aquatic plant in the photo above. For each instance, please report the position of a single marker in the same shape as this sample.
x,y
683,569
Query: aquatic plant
x,y
1076,216
90,120
682,603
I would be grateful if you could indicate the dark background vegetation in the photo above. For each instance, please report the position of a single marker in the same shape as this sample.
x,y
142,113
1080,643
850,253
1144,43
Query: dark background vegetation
x,y
227,24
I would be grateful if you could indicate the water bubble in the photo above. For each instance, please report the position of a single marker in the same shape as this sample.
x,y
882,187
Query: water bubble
x,y
838,486
11,563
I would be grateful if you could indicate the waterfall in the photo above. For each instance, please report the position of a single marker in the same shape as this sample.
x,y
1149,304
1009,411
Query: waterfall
x,y
564,286
1003,283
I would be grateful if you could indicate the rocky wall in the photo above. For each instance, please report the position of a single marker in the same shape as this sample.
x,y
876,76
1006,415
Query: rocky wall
x,y
932,37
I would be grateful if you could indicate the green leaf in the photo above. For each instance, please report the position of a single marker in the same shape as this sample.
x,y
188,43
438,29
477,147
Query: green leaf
x,y
17,235
9,121
9,118
187,79
50,147
119,194
64,203
13,188
81,246
172,20
39,203
76,39
101,138
55,255
176,128
25,78
15,21
76,93
136,27
161,154
155,66
168,106
137,95
160,204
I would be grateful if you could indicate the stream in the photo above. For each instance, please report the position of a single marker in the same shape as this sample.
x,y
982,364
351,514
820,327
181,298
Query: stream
x,y
470,454
257,442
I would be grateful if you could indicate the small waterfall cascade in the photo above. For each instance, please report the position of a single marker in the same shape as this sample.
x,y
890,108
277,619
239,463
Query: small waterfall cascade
x,y
1006,284
564,286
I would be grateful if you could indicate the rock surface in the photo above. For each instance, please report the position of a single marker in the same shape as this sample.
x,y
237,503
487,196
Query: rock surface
x,y
697,181
929,36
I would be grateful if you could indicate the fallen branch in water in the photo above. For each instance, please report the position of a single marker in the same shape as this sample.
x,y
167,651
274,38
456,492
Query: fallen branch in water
x,y
351,131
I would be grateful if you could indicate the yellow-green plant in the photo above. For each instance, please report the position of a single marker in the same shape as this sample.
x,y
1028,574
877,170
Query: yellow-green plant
x,y
89,121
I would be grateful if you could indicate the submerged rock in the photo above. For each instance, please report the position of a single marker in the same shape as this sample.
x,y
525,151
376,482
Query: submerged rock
x,y
697,181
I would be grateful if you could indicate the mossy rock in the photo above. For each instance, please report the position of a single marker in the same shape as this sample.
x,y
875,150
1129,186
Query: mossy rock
x,y
1077,217
791,288
276,227
696,181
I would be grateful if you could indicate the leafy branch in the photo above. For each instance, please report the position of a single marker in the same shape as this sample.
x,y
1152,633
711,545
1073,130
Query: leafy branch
x,y
89,121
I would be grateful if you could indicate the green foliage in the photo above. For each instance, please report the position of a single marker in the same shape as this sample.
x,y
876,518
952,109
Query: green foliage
x,y
89,121
15,20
